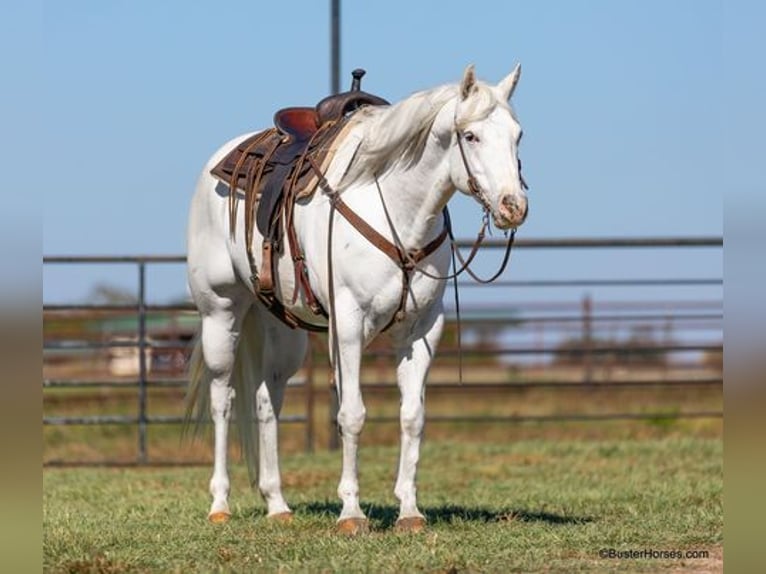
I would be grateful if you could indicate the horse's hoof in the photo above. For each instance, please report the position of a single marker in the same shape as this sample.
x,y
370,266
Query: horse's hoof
x,y
219,517
282,517
353,526
410,524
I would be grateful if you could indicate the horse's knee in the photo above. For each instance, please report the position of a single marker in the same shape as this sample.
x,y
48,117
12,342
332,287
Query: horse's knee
x,y
412,420
352,420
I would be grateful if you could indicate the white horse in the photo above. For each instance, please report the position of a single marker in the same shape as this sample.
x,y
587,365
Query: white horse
x,y
397,169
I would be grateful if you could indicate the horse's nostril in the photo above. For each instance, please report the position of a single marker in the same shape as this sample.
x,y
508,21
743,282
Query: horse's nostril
x,y
511,203
516,209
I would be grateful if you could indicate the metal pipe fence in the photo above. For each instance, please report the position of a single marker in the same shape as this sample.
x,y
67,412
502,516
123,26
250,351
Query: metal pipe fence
x,y
578,317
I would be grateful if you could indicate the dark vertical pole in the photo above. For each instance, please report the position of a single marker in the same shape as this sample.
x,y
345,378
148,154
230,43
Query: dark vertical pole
x,y
667,342
142,458
335,88
587,339
335,46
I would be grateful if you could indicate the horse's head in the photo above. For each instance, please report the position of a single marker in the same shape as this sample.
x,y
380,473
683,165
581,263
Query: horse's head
x,y
484,159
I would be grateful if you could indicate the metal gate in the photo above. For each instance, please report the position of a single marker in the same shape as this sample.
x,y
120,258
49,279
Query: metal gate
x,y
584,316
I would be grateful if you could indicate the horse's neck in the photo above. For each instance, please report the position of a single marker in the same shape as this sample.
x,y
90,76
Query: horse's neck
x,y
415,203
416,196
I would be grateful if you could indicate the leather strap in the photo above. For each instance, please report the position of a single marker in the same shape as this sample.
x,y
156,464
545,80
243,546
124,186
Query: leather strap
x,y
235,176
473,183
289,318
406,260
302,282
265,283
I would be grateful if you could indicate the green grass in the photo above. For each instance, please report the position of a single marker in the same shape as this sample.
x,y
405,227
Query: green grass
x,y
525,506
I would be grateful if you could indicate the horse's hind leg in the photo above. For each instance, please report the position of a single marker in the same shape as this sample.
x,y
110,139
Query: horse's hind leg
x,y
283,352
221,324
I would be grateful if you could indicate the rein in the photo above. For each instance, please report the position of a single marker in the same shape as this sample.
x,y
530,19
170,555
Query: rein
x,y
475,189
409,260
455,251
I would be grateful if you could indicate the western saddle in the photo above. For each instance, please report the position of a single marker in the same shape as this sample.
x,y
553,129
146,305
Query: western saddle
x,y
276,167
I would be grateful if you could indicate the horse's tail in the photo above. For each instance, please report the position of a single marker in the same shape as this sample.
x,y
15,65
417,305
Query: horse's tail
x,y
197,390
244,378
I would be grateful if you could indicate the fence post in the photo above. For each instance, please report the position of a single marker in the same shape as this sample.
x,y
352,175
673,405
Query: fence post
x,y
142,456
587,339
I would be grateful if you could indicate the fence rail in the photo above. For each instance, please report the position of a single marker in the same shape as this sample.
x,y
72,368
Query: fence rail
x,y
585,316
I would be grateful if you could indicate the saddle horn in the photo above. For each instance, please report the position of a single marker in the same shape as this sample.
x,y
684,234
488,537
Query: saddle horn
x,y
335,107
356,79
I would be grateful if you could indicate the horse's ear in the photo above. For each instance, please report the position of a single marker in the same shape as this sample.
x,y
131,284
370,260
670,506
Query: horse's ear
x,y
468,82
508,85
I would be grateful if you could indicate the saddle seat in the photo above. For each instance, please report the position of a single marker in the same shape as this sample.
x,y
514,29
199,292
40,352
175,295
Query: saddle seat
x,y
299,122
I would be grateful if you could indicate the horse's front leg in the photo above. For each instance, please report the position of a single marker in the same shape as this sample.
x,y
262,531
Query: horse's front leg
x,y
414,359
346,351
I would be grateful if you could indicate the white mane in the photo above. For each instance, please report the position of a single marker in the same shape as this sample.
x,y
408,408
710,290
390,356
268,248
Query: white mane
x,y
397,134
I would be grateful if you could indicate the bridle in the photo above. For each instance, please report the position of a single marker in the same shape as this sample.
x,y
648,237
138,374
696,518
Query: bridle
x,y
477,192
473,184
474,188
409,260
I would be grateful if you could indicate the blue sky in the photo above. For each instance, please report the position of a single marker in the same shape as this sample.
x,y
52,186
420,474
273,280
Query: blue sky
x,y
621,104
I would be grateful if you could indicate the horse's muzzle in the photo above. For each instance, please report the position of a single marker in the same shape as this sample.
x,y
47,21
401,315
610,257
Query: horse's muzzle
x,y
513,211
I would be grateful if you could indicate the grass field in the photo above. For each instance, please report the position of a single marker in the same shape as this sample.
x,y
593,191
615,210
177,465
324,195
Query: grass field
x,y
529,505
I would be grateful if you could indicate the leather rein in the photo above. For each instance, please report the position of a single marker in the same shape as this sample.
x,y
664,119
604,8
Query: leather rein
x,y
409,260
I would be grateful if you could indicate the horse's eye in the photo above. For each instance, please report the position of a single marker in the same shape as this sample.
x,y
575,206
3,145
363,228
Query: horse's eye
x,y
471,137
